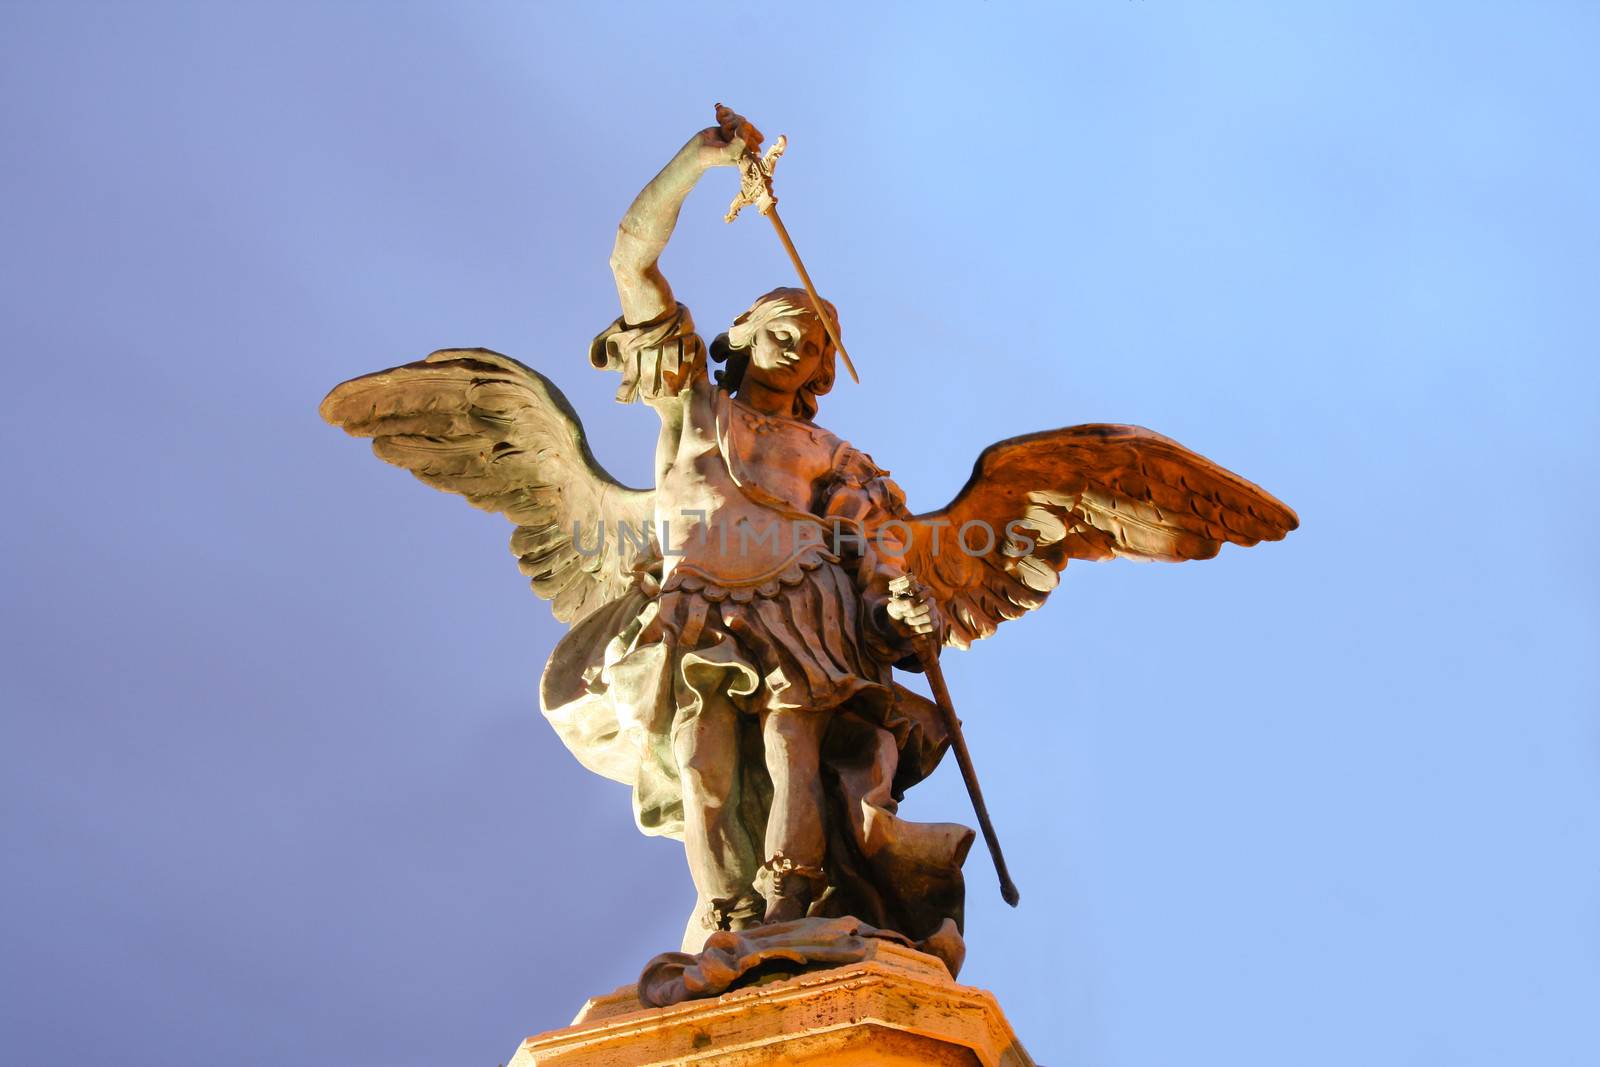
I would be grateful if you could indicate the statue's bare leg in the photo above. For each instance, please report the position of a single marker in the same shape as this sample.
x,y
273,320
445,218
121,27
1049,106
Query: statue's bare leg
x,y
792,875
722,857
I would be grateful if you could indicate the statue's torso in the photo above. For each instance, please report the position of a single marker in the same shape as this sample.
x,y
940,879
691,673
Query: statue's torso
x,y
740,500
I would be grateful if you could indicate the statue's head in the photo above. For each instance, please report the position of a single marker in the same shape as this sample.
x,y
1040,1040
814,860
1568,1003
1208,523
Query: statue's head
x,y
781,341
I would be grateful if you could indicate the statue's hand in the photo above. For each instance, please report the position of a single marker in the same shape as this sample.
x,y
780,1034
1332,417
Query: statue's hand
x,y
724,144
911,611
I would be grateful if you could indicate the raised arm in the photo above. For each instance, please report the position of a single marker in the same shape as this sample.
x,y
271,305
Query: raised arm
x,y
645,229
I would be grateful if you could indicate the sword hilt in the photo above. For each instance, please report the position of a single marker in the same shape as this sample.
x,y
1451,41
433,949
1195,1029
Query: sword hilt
x,y
755,180
755,171
755,187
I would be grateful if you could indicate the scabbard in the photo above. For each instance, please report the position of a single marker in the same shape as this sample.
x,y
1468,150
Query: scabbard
x,y
929,658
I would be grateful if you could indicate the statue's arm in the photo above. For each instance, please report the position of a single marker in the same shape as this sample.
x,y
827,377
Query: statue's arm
x,y
645,229
867,499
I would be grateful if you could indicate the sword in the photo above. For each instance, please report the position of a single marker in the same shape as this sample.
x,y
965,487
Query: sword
x,y
755,187
928,656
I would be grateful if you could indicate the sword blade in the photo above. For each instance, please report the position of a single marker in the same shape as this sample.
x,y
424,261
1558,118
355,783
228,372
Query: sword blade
x,y
805,279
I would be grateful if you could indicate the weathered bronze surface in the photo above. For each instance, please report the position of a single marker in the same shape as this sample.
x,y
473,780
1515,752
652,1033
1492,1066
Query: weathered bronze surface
x,y
735,629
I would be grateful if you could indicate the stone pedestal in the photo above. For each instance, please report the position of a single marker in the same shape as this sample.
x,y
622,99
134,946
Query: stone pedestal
x,y
897,1007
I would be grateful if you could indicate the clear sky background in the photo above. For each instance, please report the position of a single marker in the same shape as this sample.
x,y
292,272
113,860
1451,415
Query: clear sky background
x,y
274,787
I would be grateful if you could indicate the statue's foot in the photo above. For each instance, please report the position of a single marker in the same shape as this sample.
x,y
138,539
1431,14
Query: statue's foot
x,y
790,888
736,913
748,914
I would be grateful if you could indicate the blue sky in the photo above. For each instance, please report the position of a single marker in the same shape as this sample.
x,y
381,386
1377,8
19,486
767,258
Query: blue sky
x,y
273,783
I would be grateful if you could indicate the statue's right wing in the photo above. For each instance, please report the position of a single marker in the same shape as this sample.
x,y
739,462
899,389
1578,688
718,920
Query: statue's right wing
x,y
1082,492
474,422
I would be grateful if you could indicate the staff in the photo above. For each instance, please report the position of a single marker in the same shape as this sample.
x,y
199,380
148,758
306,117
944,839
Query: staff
x,y
928,656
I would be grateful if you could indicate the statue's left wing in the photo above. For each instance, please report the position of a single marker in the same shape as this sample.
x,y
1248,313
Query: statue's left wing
x,y
1084,492
474,422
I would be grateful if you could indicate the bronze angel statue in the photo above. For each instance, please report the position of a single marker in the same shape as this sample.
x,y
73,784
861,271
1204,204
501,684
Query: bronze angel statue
x,y
735,629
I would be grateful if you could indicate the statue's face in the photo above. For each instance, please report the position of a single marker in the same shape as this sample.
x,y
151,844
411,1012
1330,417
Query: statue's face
x,y
786,352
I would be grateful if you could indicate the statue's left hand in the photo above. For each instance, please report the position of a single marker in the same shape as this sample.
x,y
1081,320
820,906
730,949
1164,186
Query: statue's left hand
x,y
911,610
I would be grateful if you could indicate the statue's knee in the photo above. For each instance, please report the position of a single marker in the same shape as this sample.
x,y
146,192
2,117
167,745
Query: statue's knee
x,y
705,766
792,736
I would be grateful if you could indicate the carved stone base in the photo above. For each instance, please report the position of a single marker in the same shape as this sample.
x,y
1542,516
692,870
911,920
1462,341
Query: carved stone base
x,y
897,1007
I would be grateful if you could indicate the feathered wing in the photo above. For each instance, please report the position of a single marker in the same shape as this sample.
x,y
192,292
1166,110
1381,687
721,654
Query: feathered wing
x,y
474,422
1084,492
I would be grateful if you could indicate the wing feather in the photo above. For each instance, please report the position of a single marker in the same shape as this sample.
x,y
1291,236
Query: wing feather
x,y
1090,492
481,425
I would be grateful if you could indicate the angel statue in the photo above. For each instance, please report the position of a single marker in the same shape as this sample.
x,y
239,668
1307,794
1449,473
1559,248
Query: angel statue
x,y
734,630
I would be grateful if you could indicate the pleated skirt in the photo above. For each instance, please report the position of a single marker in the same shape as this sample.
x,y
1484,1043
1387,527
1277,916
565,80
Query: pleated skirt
x,y
790,641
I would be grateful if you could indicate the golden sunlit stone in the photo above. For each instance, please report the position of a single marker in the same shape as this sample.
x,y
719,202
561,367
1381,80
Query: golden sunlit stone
x,y
897,1007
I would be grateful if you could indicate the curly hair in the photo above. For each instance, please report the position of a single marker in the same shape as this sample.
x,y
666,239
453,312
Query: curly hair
x,y
733,348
